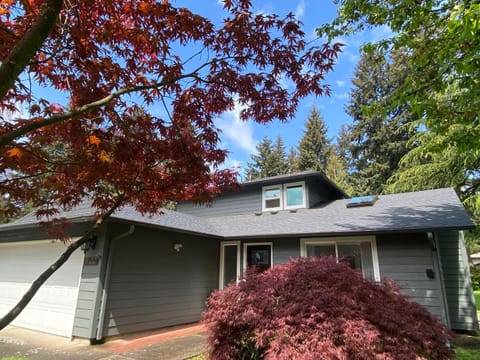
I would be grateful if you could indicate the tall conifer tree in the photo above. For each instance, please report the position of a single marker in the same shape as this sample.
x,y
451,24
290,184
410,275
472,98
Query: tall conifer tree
x,y
337,171
379,138
314,146
270,160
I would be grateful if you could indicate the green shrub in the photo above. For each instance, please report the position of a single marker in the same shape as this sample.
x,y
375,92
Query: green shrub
x,y
475,273
476,293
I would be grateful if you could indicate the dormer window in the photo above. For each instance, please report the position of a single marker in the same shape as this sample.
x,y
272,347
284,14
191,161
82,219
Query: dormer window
x,y
284,197
272,198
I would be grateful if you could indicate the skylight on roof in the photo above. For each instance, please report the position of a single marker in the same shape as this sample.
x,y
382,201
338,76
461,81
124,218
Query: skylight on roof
x,y
367,200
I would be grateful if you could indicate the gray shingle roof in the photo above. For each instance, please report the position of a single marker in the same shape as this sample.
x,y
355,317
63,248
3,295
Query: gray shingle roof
x,y
168,219
424,210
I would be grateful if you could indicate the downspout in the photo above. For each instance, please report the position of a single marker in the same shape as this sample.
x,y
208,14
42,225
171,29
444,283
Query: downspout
x,y
108,273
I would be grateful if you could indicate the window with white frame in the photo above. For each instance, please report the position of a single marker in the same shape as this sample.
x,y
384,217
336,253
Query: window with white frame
x,y
272,198
359,252
286,196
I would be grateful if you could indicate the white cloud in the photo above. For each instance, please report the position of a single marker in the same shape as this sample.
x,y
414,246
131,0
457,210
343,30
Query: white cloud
x,y
300,10
235,131
285,83
349,56
342,96
380,33
340,83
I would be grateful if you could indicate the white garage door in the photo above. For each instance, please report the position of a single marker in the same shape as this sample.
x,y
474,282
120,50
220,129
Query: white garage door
x,y
53,307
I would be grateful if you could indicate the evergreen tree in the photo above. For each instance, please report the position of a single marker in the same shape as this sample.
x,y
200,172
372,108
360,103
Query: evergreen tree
x,y
280,163
314,146
292,160
270,160
337,171
379,138
343,144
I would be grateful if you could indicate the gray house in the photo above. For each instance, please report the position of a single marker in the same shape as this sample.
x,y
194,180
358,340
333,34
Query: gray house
x,y
144,273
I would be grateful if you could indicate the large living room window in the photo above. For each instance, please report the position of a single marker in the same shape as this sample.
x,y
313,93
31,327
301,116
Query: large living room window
x,y
281,197
359,252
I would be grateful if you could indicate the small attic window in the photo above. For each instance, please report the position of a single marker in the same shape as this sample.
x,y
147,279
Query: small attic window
x,y
284,197
368,200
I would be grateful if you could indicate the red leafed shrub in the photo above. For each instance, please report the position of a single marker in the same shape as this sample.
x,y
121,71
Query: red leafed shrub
x,y
316,308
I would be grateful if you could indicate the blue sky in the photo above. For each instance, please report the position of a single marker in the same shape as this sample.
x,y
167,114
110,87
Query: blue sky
x,y
240,138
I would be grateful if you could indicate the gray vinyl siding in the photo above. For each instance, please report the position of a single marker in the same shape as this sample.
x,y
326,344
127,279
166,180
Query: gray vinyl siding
x,y
89,292
458,286
152,286
285,249
318,192
405,259
248,201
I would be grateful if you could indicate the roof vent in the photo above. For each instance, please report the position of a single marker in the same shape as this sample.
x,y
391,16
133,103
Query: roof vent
x,y
368,200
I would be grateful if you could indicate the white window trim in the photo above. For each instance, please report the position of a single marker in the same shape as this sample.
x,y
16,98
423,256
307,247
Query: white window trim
x,y
224,244
283,196
246,245
345,240
272,187
304,195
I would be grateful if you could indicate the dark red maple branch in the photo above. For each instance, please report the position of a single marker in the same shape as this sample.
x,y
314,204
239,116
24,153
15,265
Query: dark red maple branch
x,y
28,45
55,119
40,280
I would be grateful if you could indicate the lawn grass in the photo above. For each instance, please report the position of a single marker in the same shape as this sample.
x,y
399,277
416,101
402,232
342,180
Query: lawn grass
x,y
467,347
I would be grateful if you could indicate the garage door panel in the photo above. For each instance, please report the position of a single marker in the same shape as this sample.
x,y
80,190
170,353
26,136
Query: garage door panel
x,y
53,306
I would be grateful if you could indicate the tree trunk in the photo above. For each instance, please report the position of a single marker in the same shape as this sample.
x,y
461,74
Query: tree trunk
x,y
28,45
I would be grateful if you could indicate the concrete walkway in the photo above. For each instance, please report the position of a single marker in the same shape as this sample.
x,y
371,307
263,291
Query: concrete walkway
x,y
173,344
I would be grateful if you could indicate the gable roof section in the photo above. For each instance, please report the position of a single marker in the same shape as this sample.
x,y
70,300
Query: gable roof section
x,y
300,176
417,211
428,210
172,220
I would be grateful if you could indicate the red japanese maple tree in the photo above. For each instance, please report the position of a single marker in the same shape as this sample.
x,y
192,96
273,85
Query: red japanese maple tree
x,y
317,308
114,60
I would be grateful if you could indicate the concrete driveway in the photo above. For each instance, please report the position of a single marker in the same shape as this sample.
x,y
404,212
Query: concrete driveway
x,y
172,344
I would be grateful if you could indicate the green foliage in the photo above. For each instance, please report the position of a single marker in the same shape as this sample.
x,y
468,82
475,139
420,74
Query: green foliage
x,y
314,147
337,172
314,153
467,354
439,40
270,160
466,347
378,136
475,274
